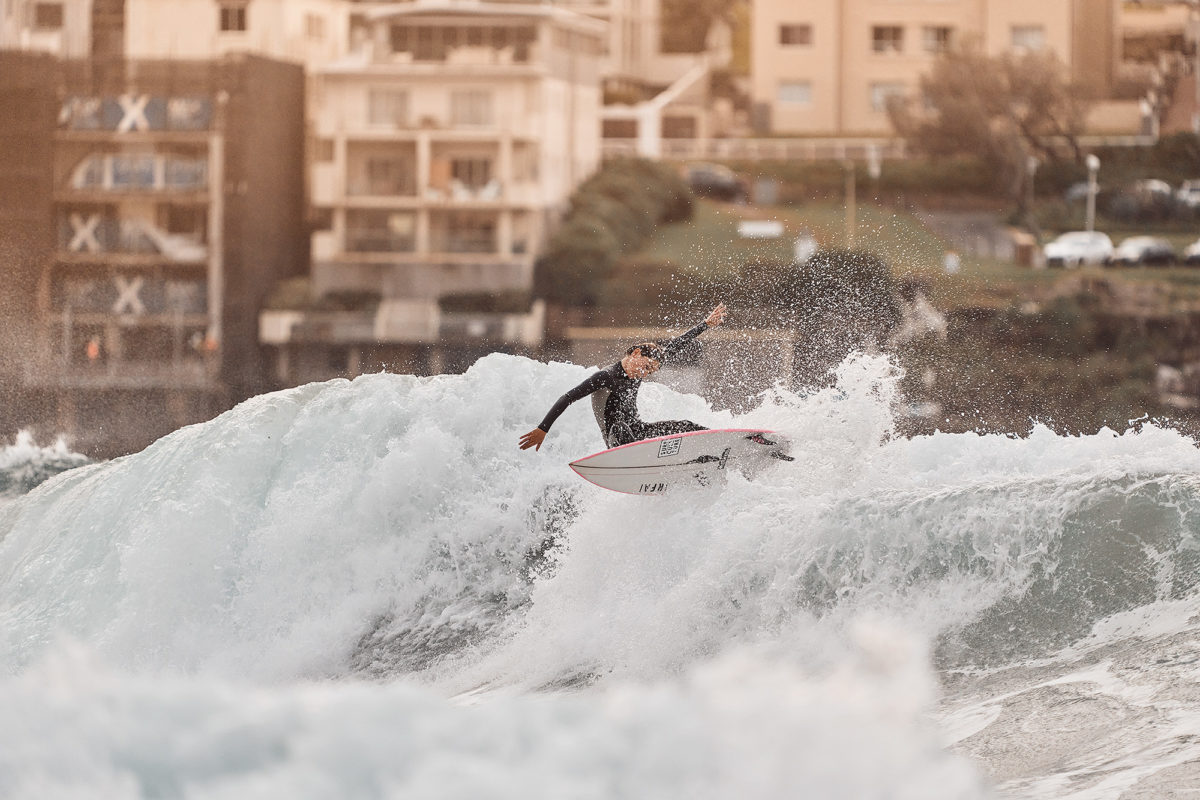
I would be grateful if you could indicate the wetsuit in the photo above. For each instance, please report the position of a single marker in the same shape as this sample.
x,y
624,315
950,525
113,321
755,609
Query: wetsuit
x,y
614,401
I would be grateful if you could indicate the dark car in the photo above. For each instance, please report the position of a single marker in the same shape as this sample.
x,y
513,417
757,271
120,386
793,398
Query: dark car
x,y
717,182
1143,250
1141,201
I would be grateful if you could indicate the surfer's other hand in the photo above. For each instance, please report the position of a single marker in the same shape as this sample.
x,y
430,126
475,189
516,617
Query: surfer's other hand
x,y
533,439
716,316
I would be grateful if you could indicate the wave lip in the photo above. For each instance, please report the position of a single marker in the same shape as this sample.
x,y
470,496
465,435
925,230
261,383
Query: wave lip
x,y
25,465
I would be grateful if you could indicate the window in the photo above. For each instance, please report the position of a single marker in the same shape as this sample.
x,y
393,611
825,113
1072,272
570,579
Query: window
x,y
48,16
390,177
380,231
797,93
471,107
233,17
464,232
473,173
881,93
1028,37
324,151
795,34
936,38
387,107
314,26
887,39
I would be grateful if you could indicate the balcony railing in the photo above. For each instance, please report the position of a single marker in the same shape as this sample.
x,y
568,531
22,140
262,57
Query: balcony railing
x,y
763,149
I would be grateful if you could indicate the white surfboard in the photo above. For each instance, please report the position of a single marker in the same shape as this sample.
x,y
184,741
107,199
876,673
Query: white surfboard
x,y
696,459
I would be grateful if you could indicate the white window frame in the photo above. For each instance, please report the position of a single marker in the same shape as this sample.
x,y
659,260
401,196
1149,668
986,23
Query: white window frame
x,y
795,94
472,108
387,107
882,91
1020,36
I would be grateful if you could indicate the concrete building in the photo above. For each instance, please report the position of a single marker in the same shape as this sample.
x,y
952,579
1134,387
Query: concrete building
x,y
444,145
652,97
158,202
828,67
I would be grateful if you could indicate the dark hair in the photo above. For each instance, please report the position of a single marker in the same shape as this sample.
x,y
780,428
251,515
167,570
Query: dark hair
x,y
649,350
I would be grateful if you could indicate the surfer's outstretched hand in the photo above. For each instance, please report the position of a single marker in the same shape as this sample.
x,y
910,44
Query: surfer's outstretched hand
x,y
716,316
533,439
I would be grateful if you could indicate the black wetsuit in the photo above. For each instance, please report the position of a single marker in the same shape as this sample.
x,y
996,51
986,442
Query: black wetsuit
x,y
614,401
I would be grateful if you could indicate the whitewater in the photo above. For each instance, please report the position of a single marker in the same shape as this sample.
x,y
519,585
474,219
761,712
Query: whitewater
x,y
365,589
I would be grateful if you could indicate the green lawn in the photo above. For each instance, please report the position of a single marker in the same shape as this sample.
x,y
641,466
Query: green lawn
x,y
708,246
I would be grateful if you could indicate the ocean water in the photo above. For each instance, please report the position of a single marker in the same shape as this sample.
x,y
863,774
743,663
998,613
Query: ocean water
x,y
364,589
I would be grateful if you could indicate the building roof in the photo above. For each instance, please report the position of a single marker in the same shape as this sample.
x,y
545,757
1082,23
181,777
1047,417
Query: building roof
x,y
481,8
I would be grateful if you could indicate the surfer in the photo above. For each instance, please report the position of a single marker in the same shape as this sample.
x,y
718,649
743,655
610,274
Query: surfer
x,y
614,393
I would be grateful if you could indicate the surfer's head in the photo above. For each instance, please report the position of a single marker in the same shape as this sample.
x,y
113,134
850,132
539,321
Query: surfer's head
x,y
642,360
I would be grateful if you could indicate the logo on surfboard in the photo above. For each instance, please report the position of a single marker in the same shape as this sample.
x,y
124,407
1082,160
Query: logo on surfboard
x,y
669,447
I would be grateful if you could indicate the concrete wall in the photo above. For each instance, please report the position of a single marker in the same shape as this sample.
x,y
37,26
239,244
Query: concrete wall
x,y
843,70
306,31
265,235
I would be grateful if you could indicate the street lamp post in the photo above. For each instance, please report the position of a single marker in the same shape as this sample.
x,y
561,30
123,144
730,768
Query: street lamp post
x,y
1093,166
1031,166
851,210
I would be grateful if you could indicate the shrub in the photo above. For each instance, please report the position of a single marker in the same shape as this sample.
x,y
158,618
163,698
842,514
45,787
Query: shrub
x,y
611,213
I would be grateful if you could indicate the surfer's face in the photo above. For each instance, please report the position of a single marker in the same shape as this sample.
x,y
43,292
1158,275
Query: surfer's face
x,y
638,366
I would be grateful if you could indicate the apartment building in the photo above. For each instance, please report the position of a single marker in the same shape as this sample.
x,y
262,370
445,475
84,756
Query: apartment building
x,y
157,203
828,67
444,145
653,97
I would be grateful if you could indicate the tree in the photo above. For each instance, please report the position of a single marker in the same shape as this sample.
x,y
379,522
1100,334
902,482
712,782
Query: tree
x,y
1002,109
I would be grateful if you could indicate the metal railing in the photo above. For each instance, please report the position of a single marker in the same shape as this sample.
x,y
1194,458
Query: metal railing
x,y
804,149
810,149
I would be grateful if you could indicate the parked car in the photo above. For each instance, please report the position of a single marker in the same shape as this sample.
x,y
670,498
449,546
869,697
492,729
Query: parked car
x,y
1141,250
1191,253
717,181
1188,194
1078,247
1143,200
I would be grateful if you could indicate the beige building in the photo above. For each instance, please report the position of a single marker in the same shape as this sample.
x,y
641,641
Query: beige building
x,y
828,67
444,145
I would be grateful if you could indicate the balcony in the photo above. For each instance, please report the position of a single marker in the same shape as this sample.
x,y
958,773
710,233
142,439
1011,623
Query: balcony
x,y
138,173
88,235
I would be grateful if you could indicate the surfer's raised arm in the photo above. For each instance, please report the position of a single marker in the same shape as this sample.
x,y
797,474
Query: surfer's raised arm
x,y
616,411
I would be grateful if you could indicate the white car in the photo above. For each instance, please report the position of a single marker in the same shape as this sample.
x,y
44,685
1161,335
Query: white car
x,y
1078,247
1189,193
1191,253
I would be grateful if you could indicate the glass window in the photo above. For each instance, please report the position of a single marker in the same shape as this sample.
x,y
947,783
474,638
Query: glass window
x,y
887,39
403,39
473,173
471,107
233,17
798,93
1028,37
314,26
390,177
936,38
48,16
881,93
380,231
795,34
387,107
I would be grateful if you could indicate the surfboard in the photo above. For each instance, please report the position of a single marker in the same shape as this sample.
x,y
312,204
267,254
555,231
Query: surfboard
x,y
695,459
